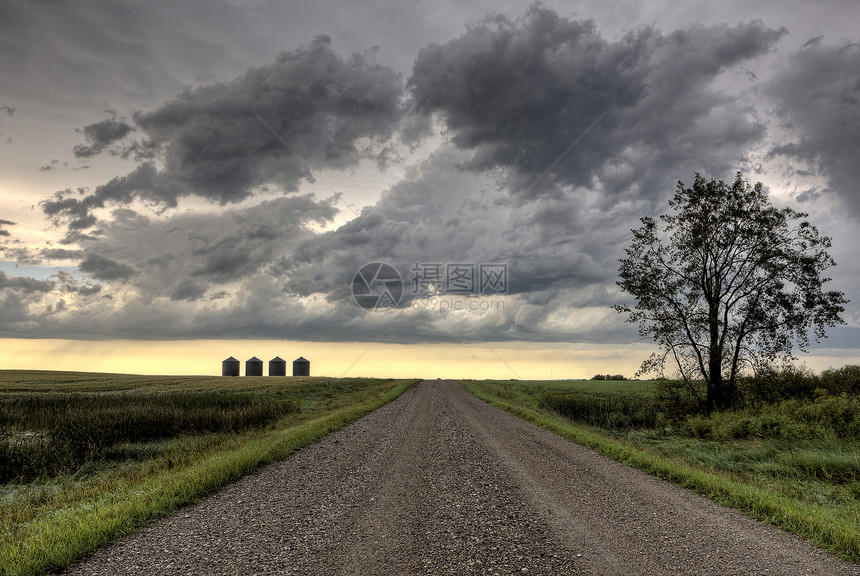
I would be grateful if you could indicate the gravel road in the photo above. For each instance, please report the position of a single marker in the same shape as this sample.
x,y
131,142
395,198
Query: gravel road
x,y
438,482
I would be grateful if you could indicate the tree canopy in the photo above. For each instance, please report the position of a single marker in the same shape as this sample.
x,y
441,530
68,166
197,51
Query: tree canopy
x,y
727,283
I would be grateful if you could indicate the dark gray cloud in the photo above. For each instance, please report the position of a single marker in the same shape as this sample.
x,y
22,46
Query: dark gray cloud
x,y
561,252
101,135
311,109
259,271
19,304
70,207
6,111
814,42
251,239
556,137
188,289
818,94
88,289
24,284
519,94
5,223
184,256
106,53
71,285
53,165
15,314
103,268
60,254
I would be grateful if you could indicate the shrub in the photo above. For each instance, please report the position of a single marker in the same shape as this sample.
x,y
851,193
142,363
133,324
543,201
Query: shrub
x,y
827,418
698,427
838,415
677,400
845,380
772,384
613,412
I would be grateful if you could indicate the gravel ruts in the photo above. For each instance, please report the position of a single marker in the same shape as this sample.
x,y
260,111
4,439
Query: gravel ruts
x,y
438,482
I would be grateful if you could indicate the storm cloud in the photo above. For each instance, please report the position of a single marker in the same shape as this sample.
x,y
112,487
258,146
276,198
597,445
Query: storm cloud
x,y
184,256
818,94
24,284
559,252
273,126
536,141
71,285
520,94
103,268
101,135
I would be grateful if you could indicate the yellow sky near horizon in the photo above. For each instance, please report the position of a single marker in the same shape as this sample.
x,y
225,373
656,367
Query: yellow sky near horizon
x,y
520,360
479,361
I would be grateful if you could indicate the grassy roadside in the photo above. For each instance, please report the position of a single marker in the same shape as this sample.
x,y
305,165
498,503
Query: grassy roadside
x,y
58,529
822,526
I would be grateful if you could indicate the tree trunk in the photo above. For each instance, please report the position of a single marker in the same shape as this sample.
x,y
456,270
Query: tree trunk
x,y
729,388
722,389
716,384
709,400
715,362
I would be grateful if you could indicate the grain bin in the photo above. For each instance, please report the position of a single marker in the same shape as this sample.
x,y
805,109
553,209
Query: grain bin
x,y
230,367
254,367
301,367
277,366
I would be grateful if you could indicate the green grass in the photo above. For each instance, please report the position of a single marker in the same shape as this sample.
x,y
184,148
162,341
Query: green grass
x,y
46,434
125,480
793,464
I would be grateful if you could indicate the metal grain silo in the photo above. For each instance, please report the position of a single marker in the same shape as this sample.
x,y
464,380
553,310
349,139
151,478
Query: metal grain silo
x,y
301,367
277,366
230,367
254,367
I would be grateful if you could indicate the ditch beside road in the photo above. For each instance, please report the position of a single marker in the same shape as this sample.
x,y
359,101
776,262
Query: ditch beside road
x,y
438,482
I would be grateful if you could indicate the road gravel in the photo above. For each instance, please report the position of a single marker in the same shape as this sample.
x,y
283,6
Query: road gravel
x,y
438,482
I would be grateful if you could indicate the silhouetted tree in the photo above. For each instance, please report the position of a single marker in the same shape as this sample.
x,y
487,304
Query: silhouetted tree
x,y
727,282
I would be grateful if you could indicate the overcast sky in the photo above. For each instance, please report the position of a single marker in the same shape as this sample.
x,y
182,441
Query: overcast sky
x,y
210,169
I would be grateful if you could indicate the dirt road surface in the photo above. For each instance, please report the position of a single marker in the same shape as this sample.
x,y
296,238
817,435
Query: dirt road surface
x,y
438,482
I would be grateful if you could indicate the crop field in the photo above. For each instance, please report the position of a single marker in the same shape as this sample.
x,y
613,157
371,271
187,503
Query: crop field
x,y
86,458
792,462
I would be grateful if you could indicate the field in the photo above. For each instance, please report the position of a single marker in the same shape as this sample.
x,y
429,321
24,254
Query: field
x,y
792,462
86,458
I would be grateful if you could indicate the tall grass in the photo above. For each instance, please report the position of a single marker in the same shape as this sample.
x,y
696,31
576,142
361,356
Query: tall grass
x,y
48,434
825,418
613,411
